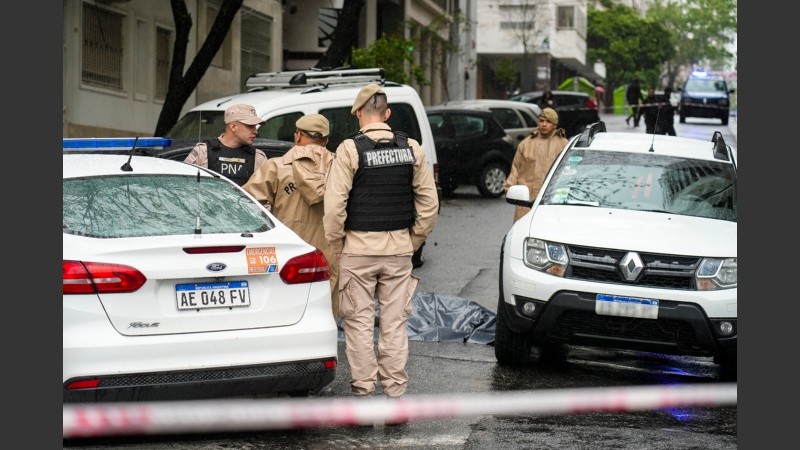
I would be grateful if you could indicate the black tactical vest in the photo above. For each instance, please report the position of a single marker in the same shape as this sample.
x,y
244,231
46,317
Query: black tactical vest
x,y
382,196
237,164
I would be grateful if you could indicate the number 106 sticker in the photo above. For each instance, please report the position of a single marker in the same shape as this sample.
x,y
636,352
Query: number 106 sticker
x,y
261,260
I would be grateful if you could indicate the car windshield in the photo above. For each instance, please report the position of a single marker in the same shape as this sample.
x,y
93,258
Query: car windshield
x,y
157,205
705,85
640,182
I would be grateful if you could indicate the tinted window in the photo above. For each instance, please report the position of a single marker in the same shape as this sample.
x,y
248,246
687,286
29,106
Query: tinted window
x,y
645,182
280,127
157,205
569,100
465,125
508,118
196,125
343,124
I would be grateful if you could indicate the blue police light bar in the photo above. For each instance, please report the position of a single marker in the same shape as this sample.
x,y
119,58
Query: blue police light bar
x,y
114,143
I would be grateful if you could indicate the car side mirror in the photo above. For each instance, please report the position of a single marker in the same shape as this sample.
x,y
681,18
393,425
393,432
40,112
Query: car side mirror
x,y
519,195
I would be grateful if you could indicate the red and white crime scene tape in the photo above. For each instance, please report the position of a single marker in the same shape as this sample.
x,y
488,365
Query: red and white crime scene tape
x,y
83,420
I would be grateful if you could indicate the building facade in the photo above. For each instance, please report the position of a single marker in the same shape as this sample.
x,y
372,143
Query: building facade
x,y
117,53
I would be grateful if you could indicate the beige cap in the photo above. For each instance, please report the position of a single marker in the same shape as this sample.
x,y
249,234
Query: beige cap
x,y
365,94
242,113
550,114
314,124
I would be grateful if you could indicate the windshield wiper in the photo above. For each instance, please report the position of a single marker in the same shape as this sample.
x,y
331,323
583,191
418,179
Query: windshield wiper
x,y
581,203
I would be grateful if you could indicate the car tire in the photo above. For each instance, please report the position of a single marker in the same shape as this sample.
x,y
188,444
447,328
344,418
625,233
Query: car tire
x,y
491,180
682,118
510,348
724,120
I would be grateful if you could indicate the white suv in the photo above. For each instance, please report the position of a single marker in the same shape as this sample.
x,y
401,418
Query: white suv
x,y
630,244
281,98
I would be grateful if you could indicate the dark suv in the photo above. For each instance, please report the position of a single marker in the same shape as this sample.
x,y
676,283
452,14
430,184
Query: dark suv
x,y
707,96
575,109
472,148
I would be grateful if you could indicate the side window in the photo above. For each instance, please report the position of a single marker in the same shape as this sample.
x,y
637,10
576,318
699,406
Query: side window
x,y
465,125
342,123
280,127
404,119
531,121
508,118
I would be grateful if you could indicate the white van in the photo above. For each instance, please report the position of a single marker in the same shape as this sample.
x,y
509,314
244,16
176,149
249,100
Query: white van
x,y
281,98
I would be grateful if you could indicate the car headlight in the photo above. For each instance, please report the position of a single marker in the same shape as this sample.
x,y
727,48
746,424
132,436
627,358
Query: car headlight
x,y
717,273
545,256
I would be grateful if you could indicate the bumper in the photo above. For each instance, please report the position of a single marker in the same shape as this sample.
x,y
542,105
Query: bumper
x,y
565,313
704,111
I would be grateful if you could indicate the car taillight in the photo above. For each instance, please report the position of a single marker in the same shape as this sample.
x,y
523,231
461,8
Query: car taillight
x,y
82,277
306,268
589,104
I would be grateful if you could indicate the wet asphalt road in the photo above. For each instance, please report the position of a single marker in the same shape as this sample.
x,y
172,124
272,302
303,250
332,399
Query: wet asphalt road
x,y
462,258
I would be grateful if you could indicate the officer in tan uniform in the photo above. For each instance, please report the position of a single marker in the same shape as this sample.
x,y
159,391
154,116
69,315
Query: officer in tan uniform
x,y
535,154
232,154
380,205
293,187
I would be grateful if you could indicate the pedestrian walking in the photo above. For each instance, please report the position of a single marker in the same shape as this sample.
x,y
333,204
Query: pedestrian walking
x,y
293,188
535,154
633,95
380,205
232,153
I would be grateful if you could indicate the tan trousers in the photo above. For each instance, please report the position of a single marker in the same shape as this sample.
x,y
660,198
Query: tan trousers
x,y
361,280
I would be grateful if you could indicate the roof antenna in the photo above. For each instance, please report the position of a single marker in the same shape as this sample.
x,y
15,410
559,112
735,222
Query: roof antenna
x,y
127,166
658,113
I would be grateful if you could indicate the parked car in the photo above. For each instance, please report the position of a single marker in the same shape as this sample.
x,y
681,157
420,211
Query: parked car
x,y
177,284
281,98
575,109
705,95
472,148
516,118
630,244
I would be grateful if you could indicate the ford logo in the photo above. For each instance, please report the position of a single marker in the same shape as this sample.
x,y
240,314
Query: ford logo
x,y
216,267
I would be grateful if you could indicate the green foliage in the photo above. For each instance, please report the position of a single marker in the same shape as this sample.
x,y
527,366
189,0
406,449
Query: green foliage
x,y
505,71
629,46
392,53
705,28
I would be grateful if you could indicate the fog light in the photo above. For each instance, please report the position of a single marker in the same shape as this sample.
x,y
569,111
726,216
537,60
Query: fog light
x,y
725,328
528,308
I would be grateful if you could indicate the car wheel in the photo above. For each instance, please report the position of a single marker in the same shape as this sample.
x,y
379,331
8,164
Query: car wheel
x,y
683,118
491,180
510,348
724,120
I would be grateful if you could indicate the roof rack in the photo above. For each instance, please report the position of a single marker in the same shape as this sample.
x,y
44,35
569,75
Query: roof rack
x,y
314,78
587,135
720,147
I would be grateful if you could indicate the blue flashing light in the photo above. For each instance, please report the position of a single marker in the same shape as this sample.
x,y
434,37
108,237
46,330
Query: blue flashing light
x,y
114,143
699,73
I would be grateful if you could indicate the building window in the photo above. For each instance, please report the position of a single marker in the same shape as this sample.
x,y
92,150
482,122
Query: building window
x,y
517,25
103,52
163,61
566,17
223,58
256,44
142,51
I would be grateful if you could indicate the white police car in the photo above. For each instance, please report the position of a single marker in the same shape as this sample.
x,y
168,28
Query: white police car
x,y
177,284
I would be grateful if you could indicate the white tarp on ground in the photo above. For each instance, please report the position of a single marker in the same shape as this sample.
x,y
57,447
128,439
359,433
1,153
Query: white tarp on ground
x,y
447,318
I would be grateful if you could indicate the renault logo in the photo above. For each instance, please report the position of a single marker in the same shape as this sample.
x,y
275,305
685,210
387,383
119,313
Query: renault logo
x,y
631,265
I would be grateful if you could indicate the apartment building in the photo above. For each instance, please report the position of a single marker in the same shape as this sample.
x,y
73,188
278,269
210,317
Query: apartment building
x,y
117,53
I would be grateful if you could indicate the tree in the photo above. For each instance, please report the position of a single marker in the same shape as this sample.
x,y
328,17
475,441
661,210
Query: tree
x,y
391,53
181,85
343,39
629,46
705,27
